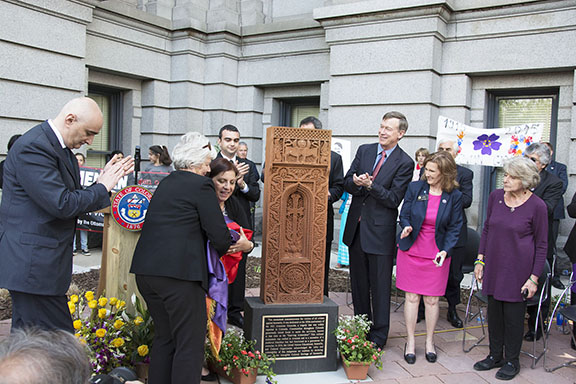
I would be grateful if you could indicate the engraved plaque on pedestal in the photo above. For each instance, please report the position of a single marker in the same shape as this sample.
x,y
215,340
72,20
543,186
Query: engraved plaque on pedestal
x,y
294,221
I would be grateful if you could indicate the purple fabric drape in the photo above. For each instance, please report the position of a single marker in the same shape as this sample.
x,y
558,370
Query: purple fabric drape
x,y
217,287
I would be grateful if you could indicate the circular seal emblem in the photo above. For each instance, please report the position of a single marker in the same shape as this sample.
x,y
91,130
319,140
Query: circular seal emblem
x,y
130,205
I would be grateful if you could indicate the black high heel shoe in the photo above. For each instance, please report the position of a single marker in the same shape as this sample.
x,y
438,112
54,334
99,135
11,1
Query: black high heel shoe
x,y
410,357
431,357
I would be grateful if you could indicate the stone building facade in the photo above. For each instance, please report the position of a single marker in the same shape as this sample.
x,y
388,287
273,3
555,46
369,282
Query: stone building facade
x,y
165,67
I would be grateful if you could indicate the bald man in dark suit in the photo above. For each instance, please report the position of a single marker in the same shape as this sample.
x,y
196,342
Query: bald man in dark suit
x,y
42,197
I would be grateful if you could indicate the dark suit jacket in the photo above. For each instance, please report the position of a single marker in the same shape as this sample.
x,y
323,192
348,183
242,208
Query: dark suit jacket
x,y
550,191
378,207
251,180
559,170
448,220
41,199
336,189
570,247
184,213
464,178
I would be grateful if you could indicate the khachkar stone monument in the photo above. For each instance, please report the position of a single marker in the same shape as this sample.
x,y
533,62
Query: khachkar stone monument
x,y
292,319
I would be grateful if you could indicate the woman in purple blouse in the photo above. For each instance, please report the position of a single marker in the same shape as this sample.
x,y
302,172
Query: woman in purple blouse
x,y
511,257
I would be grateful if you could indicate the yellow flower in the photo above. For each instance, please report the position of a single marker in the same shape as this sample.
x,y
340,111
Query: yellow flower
x,y
71,307
118,324
118,342
102,313
77,324
89,295
142,350
139,320
92,304
100,332
74,298
120,304
102,301
80,338
113,301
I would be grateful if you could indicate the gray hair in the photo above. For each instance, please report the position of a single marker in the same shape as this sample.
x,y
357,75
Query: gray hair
x,y
33,356
454,144
541,150
192,151
524,169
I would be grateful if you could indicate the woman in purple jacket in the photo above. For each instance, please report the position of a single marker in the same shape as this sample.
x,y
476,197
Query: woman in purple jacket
x,y
511,257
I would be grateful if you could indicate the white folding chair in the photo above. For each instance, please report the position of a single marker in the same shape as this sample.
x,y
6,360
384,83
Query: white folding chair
x,y
569,313
480,300
537,300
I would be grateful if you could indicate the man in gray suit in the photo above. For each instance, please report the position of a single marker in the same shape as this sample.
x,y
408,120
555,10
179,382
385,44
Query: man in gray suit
x,y
41,199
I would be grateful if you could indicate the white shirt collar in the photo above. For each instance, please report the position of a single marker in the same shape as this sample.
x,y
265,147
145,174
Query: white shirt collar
x,y
227,158
57,133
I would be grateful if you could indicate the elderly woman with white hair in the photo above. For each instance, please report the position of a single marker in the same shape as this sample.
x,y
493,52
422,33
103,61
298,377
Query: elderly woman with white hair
x,y
170,261
511,257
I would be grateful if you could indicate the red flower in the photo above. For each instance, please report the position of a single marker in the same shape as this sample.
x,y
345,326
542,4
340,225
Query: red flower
x,y
225,367
235,357
250,354
244,352
349,341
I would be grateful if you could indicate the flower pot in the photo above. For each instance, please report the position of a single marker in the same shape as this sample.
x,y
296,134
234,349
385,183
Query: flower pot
x,y
355,370
236,376
142,371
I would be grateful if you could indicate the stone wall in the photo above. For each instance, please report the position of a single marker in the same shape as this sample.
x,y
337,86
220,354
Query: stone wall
x,y
199,64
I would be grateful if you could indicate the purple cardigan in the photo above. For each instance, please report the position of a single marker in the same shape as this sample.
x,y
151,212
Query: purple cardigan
x,y
514,245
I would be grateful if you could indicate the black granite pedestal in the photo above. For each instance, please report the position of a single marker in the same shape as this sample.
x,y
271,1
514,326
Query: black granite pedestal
x,y
299,335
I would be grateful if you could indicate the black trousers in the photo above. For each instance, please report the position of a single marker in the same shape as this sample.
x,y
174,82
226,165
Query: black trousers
x,y
455,277
46,312
237,290
370,280
178,308
329,238
506,328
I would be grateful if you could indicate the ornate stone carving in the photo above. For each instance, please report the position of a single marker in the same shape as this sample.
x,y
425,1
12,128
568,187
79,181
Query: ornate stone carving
x,y
295,206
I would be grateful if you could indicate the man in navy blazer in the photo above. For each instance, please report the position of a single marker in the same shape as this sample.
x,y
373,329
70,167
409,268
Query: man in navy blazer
x,y
559,170
335,190
464,178
377,178
42,197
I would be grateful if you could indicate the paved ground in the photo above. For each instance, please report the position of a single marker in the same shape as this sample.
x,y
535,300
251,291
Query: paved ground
x,y
453,366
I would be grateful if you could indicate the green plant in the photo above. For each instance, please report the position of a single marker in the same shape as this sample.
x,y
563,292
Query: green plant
x,y
353,344
140,331
113,337
237,352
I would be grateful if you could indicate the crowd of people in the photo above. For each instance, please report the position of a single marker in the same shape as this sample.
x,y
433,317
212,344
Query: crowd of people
x,y
201,218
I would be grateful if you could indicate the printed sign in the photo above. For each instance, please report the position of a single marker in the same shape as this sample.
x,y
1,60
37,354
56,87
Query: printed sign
x,y
491,147
129,207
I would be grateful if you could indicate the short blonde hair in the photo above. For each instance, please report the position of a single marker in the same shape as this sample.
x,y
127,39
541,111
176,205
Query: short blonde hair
x,y
520,167
192,151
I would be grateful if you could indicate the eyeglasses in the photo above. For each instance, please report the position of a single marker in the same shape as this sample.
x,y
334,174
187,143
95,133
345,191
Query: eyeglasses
x,y
207,146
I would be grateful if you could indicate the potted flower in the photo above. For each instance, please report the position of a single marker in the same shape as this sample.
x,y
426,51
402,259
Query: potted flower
x,y
239,361
357,352
113,336
98,324
140,334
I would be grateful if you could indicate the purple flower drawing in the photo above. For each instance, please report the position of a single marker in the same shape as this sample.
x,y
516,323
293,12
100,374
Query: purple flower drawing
x,y
487,144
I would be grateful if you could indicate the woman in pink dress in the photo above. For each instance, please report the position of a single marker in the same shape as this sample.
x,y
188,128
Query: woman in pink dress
x,y
430,219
